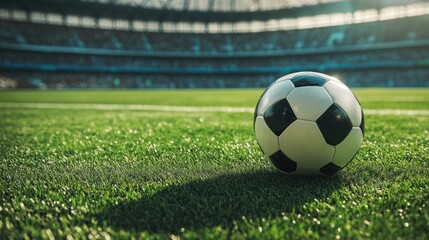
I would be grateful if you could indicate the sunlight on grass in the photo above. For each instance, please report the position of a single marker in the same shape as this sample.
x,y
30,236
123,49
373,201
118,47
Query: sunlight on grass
x,y
148,174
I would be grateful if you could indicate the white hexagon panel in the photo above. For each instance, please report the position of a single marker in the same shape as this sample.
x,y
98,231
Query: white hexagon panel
x,y
267,140
344,98
347,149
309,102
274,93
303,143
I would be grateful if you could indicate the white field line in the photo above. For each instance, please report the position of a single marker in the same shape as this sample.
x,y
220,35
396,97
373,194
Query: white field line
x,y
124,107
395,112
182,108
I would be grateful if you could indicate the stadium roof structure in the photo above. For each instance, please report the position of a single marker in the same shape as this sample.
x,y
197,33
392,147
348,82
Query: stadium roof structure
x,y
205,11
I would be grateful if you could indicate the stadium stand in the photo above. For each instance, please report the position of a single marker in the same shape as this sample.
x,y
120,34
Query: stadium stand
x,y
392,52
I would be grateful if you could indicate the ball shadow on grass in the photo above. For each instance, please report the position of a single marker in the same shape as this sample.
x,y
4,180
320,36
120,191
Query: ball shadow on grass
x,y
218,201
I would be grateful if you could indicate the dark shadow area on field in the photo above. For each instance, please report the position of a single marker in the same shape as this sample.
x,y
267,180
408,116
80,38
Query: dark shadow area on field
x,y
218,201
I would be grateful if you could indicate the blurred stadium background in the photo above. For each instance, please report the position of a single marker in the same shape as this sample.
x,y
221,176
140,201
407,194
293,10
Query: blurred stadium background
x,y
68,44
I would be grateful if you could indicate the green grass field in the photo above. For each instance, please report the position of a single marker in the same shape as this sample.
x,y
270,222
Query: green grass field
x,y
75,173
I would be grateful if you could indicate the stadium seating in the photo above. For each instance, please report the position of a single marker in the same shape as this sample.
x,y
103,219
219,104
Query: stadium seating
x,y
398,30
73,57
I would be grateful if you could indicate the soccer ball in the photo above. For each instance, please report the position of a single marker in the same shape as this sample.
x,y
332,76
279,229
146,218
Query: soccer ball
x,y
309,123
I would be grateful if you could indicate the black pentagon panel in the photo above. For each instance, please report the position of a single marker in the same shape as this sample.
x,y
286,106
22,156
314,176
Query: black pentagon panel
x,y
282,162
255,114
279,116
330,169
334,124
362,124
308,80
